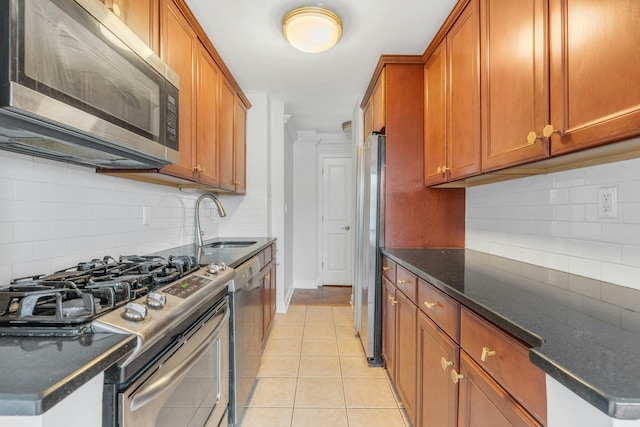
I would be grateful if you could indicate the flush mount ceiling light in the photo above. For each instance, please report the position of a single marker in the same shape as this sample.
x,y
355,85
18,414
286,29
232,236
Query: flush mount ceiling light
x,y
312,29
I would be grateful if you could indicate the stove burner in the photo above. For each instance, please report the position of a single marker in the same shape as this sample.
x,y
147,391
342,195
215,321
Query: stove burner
x,y
77,295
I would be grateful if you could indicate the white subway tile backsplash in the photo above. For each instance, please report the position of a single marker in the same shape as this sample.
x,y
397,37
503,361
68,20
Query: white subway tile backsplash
x,y
585,230
585,267
631,213
586,194
605,174
559,196
16,166
619,274
32,231
628,234
570,178
569,212
6,232
50,171
608,252
631,255
552,220
35,191
629,191
13,211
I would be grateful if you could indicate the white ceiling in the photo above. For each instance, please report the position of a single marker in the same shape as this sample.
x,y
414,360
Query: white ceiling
x,y
320,90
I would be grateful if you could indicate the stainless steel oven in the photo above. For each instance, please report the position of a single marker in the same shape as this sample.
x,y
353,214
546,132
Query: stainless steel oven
x,y
189,385
178,375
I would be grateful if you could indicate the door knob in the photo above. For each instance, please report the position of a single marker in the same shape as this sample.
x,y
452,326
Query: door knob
x,y
346,228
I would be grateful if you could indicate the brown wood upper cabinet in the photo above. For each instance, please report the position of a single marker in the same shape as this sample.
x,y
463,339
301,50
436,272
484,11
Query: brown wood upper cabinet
x,y
212,108
515,95
452,102
595,72
374,110
141,16
199,98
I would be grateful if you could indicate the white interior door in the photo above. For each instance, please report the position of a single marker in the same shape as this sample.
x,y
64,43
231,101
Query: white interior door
x,y
337,229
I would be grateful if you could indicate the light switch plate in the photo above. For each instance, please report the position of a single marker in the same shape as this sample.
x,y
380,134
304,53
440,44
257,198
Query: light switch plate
x,y
146,215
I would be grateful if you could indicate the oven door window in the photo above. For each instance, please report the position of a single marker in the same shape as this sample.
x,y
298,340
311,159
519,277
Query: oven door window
x,y
67,55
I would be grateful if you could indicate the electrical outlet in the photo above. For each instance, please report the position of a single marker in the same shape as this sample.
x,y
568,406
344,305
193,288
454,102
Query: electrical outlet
x,y
608,202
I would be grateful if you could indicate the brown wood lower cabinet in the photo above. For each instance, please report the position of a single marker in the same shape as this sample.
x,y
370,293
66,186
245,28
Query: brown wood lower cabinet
x,y
389,326
437,394
483,402
406,352
452,367
268,278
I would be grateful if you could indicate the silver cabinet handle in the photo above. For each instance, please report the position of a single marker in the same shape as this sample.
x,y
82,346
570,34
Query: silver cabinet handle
x,y
346,228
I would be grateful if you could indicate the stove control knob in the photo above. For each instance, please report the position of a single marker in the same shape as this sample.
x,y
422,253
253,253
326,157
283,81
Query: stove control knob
x,y
222,265
134,312
213,268
156,300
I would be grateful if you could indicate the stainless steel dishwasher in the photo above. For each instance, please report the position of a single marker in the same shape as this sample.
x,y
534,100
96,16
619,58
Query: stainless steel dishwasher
x,y
246,334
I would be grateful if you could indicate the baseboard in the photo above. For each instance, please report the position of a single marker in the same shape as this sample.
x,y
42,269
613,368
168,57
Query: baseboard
x,y
283,306
305,284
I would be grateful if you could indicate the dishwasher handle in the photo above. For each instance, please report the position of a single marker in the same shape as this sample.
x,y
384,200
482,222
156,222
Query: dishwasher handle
x,y
150,392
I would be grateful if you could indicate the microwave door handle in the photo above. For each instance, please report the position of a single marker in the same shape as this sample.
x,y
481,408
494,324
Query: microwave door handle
x,y
149,393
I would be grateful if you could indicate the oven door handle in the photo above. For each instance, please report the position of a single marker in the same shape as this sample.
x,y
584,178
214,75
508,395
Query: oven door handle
x,y
152,391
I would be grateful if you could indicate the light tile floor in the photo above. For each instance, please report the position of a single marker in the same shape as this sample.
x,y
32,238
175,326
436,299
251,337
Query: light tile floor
x,y
314,373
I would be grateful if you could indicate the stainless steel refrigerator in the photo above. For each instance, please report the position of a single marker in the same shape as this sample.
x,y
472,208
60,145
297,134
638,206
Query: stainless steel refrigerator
x,y
367,289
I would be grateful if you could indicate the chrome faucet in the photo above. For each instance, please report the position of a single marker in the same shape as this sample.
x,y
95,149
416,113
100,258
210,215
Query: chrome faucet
x,y
221,211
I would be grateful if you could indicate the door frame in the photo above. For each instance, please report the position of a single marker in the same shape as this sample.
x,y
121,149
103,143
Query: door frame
x,y
323,151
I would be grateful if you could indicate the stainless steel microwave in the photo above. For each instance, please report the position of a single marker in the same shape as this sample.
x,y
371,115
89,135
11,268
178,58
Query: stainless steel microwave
x,y
77,85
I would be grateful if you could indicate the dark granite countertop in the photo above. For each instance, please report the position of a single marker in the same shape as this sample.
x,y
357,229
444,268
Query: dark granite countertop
x,y
38,372
583,332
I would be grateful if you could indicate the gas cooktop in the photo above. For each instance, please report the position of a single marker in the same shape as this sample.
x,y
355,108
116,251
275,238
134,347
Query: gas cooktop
x,y
65,302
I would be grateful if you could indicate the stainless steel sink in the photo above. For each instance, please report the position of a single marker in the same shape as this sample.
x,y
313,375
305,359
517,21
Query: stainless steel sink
x,y
228,245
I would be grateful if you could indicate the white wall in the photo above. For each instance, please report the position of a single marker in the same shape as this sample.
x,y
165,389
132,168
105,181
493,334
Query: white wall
x,y
552,220
288,286
305,210
248,216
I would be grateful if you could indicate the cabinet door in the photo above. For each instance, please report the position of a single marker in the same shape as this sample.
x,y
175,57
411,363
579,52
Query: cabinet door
x,y
595,72
367,124
482,402
389,326
463,104
141,16
207,128
435,116
267,299
438,395
406,353
179,50
515,88
240,148
227,134
378,104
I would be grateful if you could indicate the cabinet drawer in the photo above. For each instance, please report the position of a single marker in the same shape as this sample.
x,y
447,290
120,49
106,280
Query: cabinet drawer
x,y
441,308
506,360
407,282
389,269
